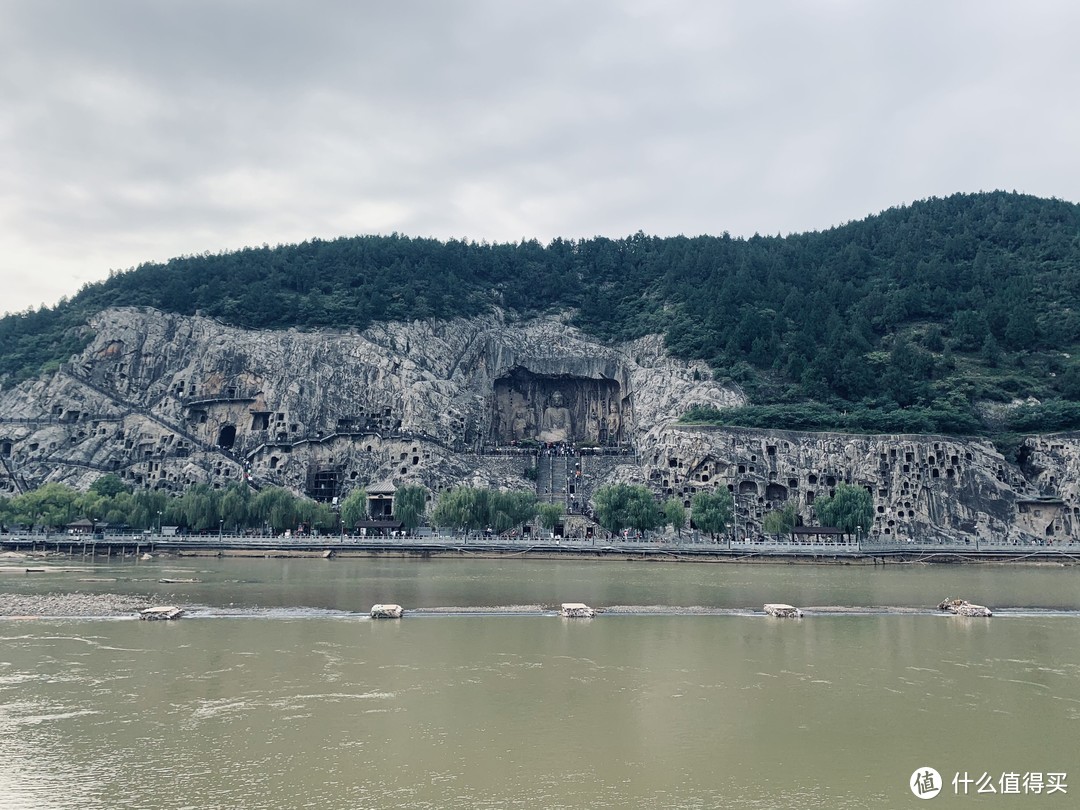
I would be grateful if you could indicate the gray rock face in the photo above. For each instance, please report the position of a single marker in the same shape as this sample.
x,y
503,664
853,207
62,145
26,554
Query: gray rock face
x,y
166,401
923,487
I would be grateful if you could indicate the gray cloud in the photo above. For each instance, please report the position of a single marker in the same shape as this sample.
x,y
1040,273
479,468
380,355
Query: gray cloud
x,y
137,130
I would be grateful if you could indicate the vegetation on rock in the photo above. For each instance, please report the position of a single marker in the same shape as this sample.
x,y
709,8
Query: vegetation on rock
x,y
903,322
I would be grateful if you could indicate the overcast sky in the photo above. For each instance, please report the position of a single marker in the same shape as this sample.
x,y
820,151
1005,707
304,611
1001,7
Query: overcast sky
x,y
139,130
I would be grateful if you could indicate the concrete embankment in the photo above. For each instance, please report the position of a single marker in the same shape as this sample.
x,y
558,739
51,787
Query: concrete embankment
x,y
659,549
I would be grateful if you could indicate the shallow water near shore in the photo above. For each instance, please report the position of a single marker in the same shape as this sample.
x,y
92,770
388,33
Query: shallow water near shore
x,y
279,692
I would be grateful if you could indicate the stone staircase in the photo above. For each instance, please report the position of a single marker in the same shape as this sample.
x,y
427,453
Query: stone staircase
x,y
552,474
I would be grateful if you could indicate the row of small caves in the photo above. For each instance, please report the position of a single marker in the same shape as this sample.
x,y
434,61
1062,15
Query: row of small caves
x,y
516,411
908,468
268,425
271,436
761,485
327,480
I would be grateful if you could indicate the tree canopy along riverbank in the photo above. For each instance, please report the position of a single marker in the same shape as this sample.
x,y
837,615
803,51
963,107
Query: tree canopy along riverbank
x,y
911,320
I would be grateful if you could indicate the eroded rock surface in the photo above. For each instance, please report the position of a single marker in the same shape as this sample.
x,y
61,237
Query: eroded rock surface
x,y
166,401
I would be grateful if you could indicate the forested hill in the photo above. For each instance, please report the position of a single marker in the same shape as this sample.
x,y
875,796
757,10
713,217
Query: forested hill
x,y
907,320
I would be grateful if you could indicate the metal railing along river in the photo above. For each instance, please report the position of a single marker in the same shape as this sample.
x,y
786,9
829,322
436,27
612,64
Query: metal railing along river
x,y
689,544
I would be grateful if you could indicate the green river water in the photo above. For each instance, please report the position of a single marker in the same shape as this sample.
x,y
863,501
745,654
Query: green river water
x,y
278,692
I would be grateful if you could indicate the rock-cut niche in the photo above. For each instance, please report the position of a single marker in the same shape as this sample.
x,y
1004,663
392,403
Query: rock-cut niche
x,y
556,408
226,437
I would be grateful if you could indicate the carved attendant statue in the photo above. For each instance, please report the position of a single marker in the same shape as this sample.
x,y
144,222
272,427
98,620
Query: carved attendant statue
x,y
614,421
556,426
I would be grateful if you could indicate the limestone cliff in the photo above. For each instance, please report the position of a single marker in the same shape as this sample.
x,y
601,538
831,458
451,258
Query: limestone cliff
x,y
166,401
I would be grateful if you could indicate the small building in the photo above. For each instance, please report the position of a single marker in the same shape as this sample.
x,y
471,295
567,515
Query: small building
x,y
823,535
86,526
379,528
381,500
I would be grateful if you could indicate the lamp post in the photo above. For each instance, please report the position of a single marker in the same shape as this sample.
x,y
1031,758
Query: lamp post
x,y
159,523
735,506
858,538
220,527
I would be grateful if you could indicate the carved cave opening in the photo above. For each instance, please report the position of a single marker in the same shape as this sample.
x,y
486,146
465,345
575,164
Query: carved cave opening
x,y
776,492
324,484
557,408
1025,461
227,437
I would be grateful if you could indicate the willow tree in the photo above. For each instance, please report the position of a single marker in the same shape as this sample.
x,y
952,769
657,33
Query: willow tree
x,y
457,508
236,506
550,514
409,505
50,505
354,508
848,509
622,506
780,521
675,513
509,509
277,507
712,511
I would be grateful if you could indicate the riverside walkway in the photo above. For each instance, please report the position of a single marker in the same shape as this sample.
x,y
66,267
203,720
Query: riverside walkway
x,y
688,546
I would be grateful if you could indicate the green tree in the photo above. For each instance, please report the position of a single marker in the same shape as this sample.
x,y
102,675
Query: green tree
x,y
780,521
91,505
645,513
51,506
109,486
1021,331
324,519
990,353
354,508
849,508
117,511
510,509
316,517
610,503
550,514
235,507
276,507
6,512
149,509
409,505
201,507
622,506
712,511
459,508
675,514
